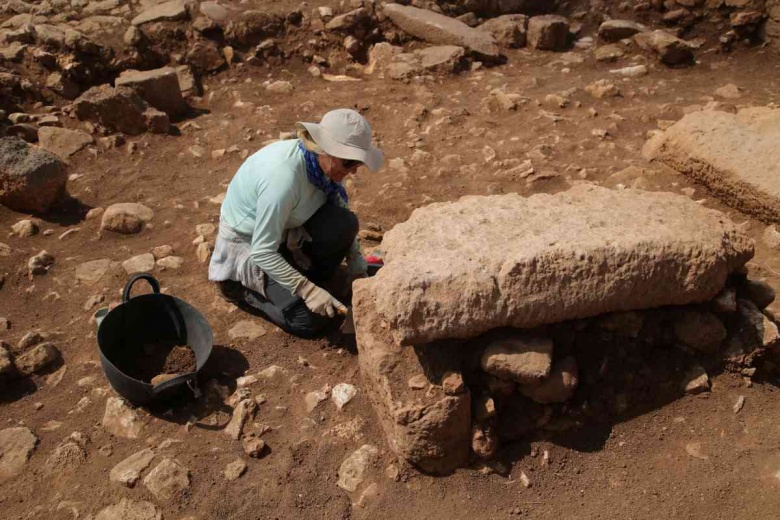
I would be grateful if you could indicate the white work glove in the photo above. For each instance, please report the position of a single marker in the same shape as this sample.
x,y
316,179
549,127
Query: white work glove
x,y
320,301
296,237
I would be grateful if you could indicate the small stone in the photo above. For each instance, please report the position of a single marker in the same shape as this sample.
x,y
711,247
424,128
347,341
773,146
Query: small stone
x,y
40,263
6,365
253,446
559,386
167,480
139,264
524,480
771,238
342,394
16,446
611,52
206,230
726,301
760,293
170,262
203,252
130,510
523,358
120,420
162,251
30,339
636,71
484,442
695,450
247,330
453,384
273,373
696,381
370,492
127,217
313,399
280,87
25,228
128,472
234,470
602,88
730,91
393,473
243,382
243,410
197,151
702,331
354,468
37,359
739,404
418,382
91,272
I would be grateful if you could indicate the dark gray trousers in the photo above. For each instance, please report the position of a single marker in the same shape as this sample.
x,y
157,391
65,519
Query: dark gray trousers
x,y
332,229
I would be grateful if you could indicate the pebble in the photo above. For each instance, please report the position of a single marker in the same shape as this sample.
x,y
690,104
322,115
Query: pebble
x,y
342,394
353,470
739,404
234,470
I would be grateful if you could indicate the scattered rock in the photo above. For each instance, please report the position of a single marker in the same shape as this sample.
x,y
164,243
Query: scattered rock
x,y
126,217
700,330
167,480
205,57
611,52
120,420
63,142
234,470
247,330
63,85
558,387
37,359
484,442
91,272
25,228
670,49
635,71
159,87
695,450
130,510
696,381
602,88
771,238
16,446
730,91
139,264
342,394
40,263
167,11
31,179
739,404
441,30
347,21
313,399
117,109
6,364
280,87
203,252
170,262
526,359
615,30
508,30
354,468
243,410
253,446
548,32
128,472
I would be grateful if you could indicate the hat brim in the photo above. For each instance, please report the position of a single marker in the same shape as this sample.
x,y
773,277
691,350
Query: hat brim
x,y
372,157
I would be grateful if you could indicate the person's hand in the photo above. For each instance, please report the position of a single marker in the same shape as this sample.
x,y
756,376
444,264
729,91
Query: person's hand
x,y
320,301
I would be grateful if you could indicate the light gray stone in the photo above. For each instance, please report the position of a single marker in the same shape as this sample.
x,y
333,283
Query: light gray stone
x,y
442,30
159,87
234,470
167,480
167,11
37,359
139,264
126,217
130,510
735,155
242,412
170,262
16,446
120,420
459,269
355,467
62,141
696,381
31,179
614,30
522,357
128,472
668,48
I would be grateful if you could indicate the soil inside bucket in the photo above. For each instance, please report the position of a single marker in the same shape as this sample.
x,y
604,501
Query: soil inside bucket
x,y
157,358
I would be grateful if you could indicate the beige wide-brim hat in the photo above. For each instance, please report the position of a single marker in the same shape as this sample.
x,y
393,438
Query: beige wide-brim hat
x,y
345,134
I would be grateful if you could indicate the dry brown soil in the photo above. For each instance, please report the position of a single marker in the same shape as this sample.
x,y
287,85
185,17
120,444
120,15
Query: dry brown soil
x,y
635,467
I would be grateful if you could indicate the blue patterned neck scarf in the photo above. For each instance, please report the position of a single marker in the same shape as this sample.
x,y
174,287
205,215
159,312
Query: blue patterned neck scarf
x,y
333,190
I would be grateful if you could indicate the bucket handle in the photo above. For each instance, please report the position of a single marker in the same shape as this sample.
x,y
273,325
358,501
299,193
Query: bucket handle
x,y
140,276
189,379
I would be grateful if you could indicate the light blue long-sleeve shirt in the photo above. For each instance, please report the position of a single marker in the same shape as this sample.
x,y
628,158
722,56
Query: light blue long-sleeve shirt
x,y
269,195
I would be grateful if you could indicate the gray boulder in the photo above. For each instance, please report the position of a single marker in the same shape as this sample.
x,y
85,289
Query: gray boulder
x,y
668,48
159,87
167,11
509,30
735,155
31,179
548,32
459,269
117,109
615,30
441,30
62,141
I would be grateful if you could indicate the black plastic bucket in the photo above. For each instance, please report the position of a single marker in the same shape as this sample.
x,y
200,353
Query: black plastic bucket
x,y
149,319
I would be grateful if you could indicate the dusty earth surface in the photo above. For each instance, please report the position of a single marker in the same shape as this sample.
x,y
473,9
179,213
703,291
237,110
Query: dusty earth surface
x,y
686,457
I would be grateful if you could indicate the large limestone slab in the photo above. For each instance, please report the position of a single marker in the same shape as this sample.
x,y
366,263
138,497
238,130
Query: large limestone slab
x,y
442,30
736,155
459,269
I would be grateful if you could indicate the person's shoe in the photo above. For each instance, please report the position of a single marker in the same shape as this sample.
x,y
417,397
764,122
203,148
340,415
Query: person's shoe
x,y
231,291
